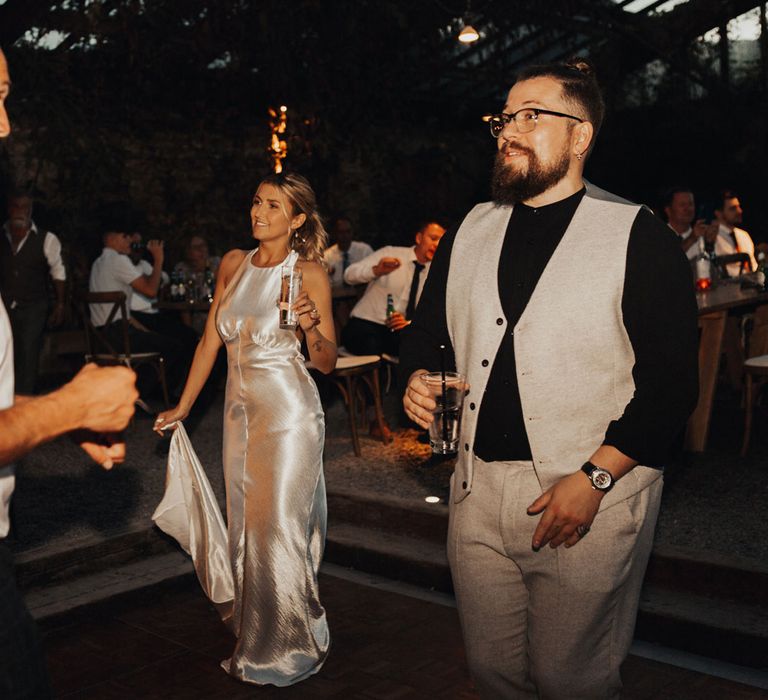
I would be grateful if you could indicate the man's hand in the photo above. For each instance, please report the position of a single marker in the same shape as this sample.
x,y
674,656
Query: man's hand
x,y
106,450
156,250
417,402
57,315
396,321
385,266
569,503
701,229
101,398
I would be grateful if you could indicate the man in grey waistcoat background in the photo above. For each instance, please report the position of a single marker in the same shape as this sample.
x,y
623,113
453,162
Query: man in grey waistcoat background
x,y
579,344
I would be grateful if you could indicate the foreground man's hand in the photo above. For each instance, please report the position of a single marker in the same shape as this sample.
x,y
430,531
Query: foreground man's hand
x,y
101,398
417,402
571,502
106,449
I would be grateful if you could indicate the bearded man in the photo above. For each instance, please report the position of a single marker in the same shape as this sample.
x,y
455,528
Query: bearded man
x,y
579,347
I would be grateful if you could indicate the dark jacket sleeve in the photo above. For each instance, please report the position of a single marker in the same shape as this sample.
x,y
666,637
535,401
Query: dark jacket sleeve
x,y
421,340
660,315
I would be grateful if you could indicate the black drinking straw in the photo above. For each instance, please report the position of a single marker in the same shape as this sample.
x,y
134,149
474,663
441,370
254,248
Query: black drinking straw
x,y
444,390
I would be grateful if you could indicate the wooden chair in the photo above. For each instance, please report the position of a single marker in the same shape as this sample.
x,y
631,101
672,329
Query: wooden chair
x,y
351,375
755,369
391,363
723,261
101,350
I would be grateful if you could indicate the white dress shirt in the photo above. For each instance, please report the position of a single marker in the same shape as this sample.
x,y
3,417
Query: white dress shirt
x,y
334,259
373,304
111,272
51,250
7,479
693,251
724,245
138,301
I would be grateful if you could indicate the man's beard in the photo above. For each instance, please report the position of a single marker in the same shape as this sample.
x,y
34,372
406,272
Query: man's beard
x,y
510,185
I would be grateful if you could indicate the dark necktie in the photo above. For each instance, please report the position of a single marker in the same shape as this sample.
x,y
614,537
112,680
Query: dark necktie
x,y
344,265
414,289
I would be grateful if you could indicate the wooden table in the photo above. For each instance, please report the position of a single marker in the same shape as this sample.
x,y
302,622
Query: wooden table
x,y
202,305
714,305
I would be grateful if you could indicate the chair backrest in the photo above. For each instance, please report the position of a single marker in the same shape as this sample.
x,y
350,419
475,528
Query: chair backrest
x,y
96,339
758,339
723,261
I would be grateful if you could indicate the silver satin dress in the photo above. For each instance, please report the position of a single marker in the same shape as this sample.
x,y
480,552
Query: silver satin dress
x,y
274,430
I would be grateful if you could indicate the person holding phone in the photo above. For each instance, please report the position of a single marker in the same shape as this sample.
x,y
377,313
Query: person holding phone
x,y
680,208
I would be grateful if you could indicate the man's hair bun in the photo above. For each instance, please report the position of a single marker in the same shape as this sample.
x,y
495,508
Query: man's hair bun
x,y
580,64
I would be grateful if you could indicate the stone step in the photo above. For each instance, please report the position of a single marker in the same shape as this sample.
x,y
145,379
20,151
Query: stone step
x,y
134,579
726,630
48,566
729,630
399,557
703,603
726,577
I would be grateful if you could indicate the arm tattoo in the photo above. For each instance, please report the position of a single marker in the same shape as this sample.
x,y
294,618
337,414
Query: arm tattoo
x,y
317,346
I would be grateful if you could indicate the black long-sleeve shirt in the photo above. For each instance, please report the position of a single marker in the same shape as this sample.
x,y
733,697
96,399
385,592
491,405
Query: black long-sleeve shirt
x,y
659,314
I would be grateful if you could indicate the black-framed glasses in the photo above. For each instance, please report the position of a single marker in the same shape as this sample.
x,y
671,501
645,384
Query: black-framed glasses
x,y
525,119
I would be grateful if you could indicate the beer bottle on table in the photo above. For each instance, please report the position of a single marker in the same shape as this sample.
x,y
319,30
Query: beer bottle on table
x,y
174,286
182,286
209,284
761,273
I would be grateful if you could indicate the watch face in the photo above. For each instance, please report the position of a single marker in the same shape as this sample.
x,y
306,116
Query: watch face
x,y
601,479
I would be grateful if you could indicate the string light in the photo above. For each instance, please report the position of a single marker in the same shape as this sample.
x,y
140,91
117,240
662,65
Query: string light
x,y
278,147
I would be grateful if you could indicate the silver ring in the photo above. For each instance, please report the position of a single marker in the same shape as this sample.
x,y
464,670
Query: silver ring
x,y
582,530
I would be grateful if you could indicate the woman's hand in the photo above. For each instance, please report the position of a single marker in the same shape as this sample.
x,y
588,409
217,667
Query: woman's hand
x,y
307,311
167,419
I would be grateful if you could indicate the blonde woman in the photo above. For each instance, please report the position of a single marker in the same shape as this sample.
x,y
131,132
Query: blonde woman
x,y
274,431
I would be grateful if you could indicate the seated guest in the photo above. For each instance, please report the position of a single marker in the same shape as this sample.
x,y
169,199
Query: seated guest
x,y
730,238
399,271
113,271
143,308
197,262
197,258
338,257
344,252
680,209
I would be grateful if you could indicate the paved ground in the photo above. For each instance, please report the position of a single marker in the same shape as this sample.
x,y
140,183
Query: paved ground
x,y
385,646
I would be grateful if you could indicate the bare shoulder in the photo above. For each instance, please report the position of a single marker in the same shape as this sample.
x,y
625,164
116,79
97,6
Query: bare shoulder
x,y
231,260
313,271
229,264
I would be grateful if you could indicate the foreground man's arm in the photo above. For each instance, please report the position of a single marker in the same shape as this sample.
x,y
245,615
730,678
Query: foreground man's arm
x,y
98,400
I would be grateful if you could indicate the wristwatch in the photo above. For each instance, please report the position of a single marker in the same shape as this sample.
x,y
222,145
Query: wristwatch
x,y
602,479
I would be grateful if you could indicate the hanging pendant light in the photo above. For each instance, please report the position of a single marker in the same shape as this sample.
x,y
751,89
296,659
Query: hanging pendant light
x,y
468,34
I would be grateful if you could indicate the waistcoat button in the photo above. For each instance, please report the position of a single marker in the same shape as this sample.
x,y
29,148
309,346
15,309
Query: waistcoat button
x,y
472,406
499,321
484,363
466,447
463,484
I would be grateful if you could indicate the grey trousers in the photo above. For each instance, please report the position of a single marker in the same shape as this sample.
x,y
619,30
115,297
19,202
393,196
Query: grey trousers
x,y
554,624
